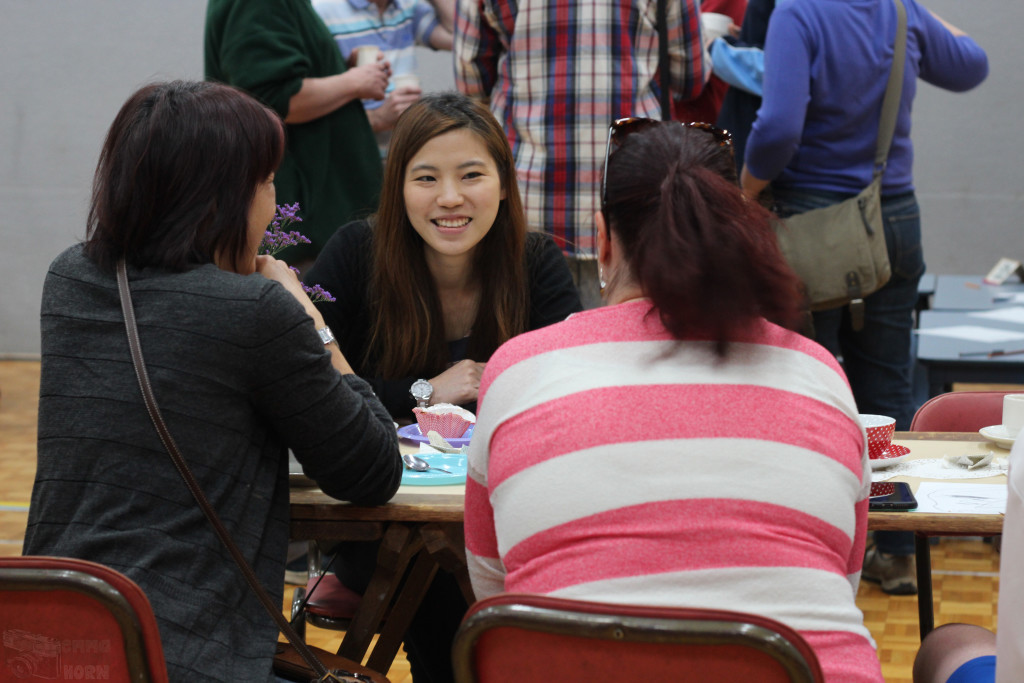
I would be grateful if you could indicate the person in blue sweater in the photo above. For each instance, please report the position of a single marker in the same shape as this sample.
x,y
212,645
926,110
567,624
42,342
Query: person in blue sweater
x,y
826,67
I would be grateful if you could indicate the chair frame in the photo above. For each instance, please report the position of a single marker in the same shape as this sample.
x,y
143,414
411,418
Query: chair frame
x,y
116,593
630,623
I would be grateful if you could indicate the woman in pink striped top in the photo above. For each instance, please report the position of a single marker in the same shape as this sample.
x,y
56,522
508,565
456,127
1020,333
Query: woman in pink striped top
x,y
681,446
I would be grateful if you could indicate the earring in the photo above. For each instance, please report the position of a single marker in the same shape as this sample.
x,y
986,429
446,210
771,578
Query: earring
x,y
600,278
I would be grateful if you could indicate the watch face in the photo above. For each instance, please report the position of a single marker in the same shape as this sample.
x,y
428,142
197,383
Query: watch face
x,y
421,389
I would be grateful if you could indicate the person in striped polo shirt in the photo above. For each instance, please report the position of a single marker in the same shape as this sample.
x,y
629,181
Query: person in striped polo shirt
x,y
683,445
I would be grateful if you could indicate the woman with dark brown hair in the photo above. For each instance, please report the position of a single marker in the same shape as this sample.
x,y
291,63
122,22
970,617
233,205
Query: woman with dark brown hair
x,y
445,272
682,445
183,194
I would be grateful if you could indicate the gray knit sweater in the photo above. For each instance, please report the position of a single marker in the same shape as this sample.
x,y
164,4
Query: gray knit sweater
x,y
240,374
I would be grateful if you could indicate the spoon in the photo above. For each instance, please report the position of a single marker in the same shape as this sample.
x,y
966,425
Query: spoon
x,y
418,464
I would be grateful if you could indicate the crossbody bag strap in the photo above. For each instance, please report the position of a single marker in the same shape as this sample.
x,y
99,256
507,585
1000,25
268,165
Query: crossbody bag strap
x,y
664,67
193,486
893,92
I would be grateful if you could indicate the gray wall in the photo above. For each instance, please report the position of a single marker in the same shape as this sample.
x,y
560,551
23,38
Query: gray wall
x,y
67,65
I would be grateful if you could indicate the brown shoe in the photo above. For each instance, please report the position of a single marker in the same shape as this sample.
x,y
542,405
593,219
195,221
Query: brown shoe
x,y
897,574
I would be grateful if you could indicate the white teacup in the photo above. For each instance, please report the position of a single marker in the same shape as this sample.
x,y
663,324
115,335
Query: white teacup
x,y
1013,414
367,54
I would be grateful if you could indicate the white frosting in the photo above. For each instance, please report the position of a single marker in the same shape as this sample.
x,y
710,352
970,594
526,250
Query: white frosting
x,y
443,408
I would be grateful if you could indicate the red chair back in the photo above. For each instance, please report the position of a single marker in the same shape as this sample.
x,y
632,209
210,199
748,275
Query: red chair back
x,y
516,637
69,619
960,411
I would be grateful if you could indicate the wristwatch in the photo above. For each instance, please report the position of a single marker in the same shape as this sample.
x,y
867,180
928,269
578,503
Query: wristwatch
x,y
326,336
421,390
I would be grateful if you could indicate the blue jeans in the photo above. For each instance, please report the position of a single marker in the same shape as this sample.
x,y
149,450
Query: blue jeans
x,y
878,360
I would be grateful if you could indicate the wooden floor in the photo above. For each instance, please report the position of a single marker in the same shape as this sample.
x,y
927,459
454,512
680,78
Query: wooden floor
x,y
965,572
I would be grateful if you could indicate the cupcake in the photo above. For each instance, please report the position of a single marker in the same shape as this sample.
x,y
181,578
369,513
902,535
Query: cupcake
x,y
448,420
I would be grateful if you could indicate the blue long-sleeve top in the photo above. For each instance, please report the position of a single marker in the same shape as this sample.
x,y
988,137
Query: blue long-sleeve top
x,y
826,67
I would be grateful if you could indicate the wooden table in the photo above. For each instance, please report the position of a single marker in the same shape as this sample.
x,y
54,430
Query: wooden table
x,y
421,529
924,525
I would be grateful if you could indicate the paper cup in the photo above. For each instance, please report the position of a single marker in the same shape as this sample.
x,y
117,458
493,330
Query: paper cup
x,y
879,429
405,81
448,425
715,25
1013,413
367,54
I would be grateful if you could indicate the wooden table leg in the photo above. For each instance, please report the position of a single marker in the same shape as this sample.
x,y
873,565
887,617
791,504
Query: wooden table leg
x,y
398,547
406,604
446,543
925,602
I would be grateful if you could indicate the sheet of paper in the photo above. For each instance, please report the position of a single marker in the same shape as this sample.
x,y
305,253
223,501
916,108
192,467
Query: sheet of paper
x,y
976,499
1008,299
1010,314
974,333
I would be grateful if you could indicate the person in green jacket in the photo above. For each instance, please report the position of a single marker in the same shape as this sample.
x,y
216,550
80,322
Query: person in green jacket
x,y
281,52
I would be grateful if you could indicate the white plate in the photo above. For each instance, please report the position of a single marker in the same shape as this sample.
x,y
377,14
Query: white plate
x,y
886,462
998,434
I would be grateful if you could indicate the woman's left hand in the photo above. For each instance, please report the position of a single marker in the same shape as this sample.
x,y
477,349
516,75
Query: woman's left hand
x,y
278,271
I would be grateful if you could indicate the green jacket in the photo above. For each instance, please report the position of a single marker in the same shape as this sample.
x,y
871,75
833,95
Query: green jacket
x,y
331,166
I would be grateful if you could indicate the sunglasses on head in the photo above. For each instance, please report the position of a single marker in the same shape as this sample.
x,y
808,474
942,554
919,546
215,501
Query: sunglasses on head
x,y
620,128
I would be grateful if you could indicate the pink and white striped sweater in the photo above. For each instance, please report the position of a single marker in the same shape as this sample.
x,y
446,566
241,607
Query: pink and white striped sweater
x,y
613,463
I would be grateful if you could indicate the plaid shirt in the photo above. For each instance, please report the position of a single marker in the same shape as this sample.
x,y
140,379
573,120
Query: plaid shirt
x,y
557,73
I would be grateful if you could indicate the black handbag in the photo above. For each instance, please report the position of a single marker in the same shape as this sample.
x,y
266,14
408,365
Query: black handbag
x,y
295,659
839,251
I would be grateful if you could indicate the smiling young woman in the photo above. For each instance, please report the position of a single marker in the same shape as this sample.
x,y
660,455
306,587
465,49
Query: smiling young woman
x,y
428,288
445,272
452,195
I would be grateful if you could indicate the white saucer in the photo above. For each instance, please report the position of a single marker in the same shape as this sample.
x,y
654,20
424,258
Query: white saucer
x,y
998,434
882,463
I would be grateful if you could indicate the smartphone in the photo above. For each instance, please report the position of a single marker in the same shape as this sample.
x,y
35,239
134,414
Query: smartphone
x,y
895,495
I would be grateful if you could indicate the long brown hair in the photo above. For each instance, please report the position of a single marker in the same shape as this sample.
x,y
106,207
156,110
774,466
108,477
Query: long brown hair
x,y
707,257
407,335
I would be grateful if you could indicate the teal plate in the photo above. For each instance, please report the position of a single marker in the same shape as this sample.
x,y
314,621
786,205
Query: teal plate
x,y
454,462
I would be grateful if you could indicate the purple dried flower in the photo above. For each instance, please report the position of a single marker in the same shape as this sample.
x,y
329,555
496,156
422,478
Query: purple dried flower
x,y
318,293
276,238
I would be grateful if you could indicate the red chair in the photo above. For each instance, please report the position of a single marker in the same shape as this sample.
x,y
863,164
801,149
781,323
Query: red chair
x,y
955,411
517,637
960,411
332,605
66,619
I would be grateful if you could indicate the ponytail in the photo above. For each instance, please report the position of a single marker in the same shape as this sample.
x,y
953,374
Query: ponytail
x,y
705,256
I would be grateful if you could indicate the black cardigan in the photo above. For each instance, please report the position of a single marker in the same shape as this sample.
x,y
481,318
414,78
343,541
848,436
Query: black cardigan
x,y
343,269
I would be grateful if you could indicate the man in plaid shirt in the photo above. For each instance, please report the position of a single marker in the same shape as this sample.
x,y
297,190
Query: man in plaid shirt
x,y
557,73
